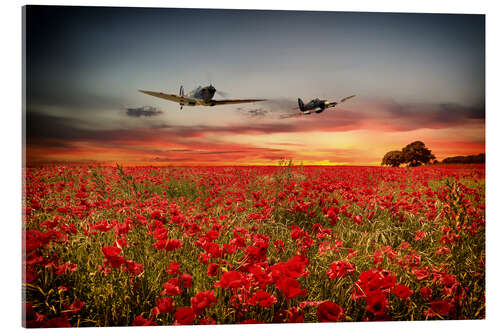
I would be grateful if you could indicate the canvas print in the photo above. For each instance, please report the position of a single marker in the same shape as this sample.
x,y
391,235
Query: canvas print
x,y
206,167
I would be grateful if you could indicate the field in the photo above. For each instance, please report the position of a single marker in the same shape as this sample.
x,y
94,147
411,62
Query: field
x,y
113,246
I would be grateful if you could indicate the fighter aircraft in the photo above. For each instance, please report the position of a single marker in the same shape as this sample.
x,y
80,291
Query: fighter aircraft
x,y
318,105
199,96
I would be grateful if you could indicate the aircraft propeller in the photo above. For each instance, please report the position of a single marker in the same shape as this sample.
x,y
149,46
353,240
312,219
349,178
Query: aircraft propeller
x,y
223,94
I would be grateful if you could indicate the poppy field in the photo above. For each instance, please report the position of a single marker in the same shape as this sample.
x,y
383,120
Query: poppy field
x,y
122,246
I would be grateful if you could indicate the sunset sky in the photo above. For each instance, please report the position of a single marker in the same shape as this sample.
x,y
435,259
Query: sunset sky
x,y
416,77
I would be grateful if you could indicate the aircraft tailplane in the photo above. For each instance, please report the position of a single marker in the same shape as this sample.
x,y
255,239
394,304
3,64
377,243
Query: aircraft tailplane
x,y
301,105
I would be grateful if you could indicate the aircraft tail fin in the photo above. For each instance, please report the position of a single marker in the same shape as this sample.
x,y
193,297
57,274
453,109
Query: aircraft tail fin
x,y
181,93
301,105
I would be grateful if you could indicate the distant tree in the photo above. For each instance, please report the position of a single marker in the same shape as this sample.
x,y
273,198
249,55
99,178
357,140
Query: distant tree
x,y
416,153
470,159
393,158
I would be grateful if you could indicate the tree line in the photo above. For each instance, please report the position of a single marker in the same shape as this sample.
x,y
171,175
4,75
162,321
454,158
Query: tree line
x,y
470,159
416,153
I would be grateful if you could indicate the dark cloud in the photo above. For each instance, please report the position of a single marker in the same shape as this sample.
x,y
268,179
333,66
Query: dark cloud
x,y
53,162
268,107
143,111
414,116
168,159
71,97
220,152
178,150
257,113
42,127
280,104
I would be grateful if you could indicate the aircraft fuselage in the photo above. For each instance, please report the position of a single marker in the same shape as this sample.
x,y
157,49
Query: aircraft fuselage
x,y
316,105
205,94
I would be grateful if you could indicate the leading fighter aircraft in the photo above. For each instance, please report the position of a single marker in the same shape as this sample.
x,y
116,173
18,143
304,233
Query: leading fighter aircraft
x,y
199,96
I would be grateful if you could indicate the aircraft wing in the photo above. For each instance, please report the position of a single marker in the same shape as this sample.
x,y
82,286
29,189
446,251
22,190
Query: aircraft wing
x,y
173,98
346,98
236,101
293,115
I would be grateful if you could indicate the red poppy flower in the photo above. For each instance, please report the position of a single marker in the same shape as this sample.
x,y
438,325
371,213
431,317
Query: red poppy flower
x,y
421,274
329,312
156,214
238,242
231,279
377,303
263,299
171,287
207,321
173,268
165,305
443,250
304,304
261,275
187,280
212,235
448,280
68,267
184,316
332,214
160,232
339,269
173,244
290,288
426,293
63,288
279,245
111,251
202,300
229,248
103,226
405,246
420,235
441,307
134,268
297,232
121,242
76,306
141,321
294,315
213,269
160,244
251,321
295,267
112,258
213,250
402,291
377,257
376,279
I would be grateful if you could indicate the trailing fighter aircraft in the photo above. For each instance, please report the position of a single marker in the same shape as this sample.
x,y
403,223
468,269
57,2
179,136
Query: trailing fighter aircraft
x,y
199,96
316,105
